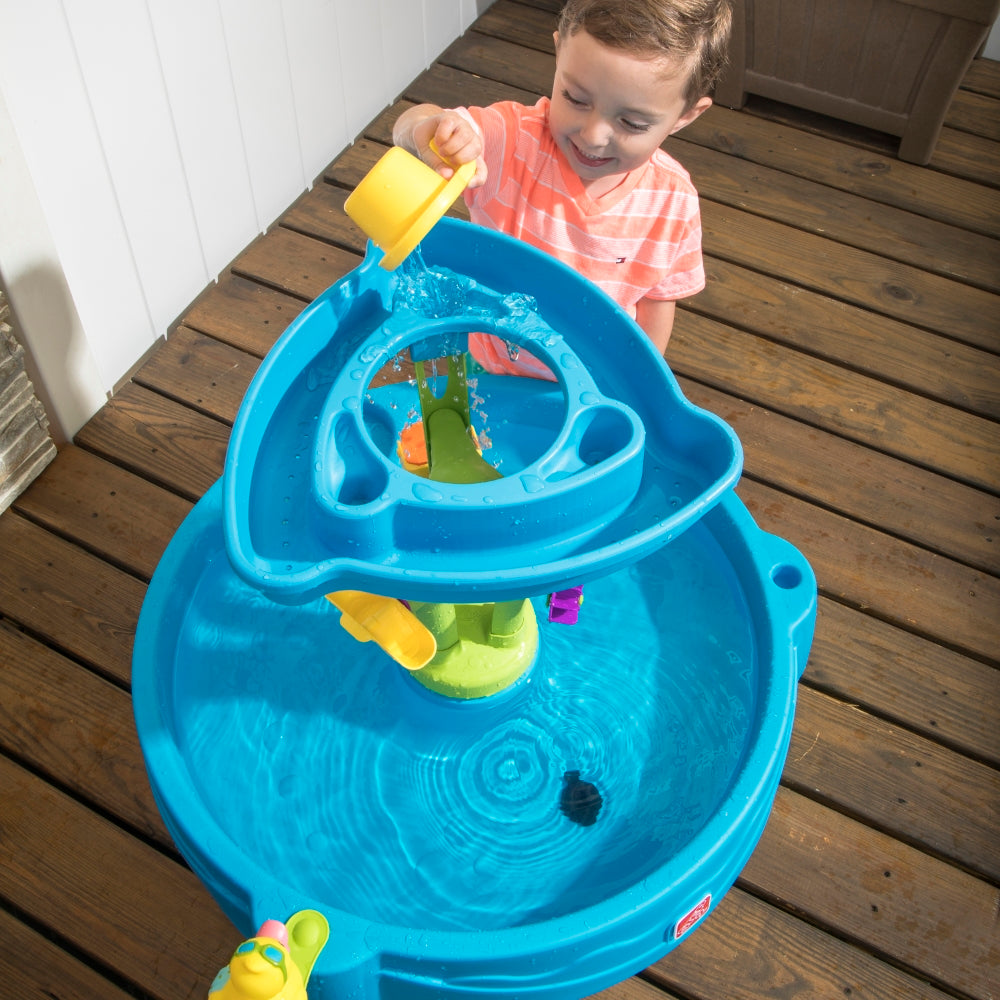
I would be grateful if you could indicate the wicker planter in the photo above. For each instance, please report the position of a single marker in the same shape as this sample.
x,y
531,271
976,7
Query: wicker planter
x,y
25,445
891,65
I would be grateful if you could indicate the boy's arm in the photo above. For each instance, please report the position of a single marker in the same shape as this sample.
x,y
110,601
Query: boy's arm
x,y
656,317
455,139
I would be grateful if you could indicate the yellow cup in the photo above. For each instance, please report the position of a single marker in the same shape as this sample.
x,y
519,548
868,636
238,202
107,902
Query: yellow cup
x,y
400,200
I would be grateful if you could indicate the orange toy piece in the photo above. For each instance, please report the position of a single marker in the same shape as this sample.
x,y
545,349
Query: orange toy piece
x,y
412,449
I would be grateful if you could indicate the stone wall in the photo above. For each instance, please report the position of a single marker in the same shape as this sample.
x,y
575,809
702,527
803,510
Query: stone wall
x,y
25,445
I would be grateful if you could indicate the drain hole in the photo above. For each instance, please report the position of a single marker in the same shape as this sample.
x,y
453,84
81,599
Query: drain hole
x,y
787,577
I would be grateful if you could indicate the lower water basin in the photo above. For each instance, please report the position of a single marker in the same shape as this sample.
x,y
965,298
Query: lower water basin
x,y
402,807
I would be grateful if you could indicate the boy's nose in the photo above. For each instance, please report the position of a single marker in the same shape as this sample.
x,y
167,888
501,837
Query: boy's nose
x,y
595,132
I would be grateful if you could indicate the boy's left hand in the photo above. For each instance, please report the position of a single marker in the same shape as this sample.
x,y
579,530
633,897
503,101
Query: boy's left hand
x,y
455,142
454,139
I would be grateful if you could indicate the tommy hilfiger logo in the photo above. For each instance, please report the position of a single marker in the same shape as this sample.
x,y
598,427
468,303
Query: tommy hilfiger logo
x,y
620,260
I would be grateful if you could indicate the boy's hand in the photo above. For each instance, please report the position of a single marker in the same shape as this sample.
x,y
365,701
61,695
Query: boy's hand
x,y
455,139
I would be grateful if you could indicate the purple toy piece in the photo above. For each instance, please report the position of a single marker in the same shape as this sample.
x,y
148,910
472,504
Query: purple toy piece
x,y
564,606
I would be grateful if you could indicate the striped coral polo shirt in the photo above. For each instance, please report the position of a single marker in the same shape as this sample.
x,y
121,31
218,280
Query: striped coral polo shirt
x,y
643,239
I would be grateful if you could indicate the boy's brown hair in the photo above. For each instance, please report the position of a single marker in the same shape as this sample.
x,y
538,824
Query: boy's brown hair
x,y
695,32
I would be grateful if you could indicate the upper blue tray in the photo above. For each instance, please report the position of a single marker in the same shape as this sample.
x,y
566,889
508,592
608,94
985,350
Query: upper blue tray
x,y
599,468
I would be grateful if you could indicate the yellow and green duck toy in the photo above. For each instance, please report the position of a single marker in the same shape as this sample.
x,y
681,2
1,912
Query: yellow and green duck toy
x,y
276,963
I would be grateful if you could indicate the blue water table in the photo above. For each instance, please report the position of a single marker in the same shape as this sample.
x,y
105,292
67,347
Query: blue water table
x,y
484,800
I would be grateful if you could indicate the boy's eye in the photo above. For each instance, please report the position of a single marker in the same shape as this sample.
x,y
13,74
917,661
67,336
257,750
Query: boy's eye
x,y
575,101
636,126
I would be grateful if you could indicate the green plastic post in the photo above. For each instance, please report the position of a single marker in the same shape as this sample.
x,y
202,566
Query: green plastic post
x,y
482,648
451,449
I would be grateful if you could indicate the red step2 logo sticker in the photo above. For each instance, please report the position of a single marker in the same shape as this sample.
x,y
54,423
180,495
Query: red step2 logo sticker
x,y
691,918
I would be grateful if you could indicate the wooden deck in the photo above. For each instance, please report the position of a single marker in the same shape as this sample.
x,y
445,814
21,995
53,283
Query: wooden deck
x,y
849,333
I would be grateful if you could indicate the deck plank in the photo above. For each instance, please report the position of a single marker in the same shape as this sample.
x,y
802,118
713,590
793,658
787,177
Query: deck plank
x,y
976,113
919,912
853,220
295,264
119,516
200,372
870,486
902,784
634,989
159,439
906,679
515,22
859,277
849,333
448,87
894,580
911,427
968,156
754,950
983,77
243,314
880,179
90,744
42,970
855,338
115,898
82,605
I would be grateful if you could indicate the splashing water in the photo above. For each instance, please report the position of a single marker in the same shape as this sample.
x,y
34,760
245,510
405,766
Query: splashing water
x,y
431,292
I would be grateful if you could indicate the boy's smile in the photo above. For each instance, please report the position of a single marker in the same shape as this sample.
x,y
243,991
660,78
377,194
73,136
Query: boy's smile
x,y
612,109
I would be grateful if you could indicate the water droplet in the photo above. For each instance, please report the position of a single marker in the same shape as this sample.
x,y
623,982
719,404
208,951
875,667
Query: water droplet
x,y
272,736
427,493
532,483
589,398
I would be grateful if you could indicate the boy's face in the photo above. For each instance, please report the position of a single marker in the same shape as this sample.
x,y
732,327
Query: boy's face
x,y
611,109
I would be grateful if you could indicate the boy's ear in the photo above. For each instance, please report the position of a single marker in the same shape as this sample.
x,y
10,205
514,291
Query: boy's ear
x,y
700,107
555,38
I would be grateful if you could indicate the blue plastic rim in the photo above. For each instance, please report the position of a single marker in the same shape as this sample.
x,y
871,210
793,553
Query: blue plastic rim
x,y
312,504
614,908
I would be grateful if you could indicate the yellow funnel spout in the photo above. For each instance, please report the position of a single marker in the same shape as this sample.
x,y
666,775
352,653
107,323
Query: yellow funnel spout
x,y
387,622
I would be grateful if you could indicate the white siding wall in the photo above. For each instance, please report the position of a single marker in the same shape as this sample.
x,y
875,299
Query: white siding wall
x,y
143,143
992,48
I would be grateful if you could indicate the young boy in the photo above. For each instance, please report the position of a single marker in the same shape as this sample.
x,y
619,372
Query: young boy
x,y
581,174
